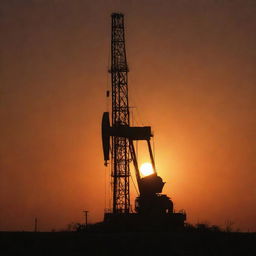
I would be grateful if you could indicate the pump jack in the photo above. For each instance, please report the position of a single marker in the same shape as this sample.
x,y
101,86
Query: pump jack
x,y
151,204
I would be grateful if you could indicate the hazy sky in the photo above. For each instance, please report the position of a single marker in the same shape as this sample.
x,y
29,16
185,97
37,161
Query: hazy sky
x,y
192,77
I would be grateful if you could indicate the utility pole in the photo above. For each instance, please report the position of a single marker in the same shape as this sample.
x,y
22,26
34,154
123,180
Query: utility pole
x,y
35,224
86,217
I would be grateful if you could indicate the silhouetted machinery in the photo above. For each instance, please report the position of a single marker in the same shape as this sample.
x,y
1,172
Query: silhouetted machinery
x,y
152,207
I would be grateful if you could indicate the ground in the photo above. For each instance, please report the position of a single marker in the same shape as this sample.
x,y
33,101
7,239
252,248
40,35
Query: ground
x,y
128,243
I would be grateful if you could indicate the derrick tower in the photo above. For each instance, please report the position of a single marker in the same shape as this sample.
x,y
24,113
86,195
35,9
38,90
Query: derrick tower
x,y
150,205
120,170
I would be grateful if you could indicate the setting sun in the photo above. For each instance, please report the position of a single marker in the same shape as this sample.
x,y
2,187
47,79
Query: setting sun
x,y
146,169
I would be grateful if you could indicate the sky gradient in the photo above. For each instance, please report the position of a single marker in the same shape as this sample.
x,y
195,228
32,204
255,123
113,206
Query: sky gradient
x,y
192,78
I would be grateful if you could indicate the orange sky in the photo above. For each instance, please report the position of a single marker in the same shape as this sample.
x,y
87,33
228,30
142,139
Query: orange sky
x,y
192,78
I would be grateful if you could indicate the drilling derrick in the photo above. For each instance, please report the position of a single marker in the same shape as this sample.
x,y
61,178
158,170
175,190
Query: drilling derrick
x,y
151,205
120,117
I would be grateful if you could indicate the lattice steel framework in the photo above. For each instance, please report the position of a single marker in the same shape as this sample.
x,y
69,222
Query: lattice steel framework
x,y
120,170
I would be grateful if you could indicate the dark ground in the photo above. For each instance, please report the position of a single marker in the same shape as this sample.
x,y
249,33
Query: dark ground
x,y
129,243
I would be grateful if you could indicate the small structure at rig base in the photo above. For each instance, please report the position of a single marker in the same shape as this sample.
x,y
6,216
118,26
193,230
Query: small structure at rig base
x,y
153,210
145,222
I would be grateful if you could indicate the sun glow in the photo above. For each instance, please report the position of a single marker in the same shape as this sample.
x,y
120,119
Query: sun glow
x,y
146,169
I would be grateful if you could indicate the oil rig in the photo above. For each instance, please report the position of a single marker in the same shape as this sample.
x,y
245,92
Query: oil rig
x,y
152,208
